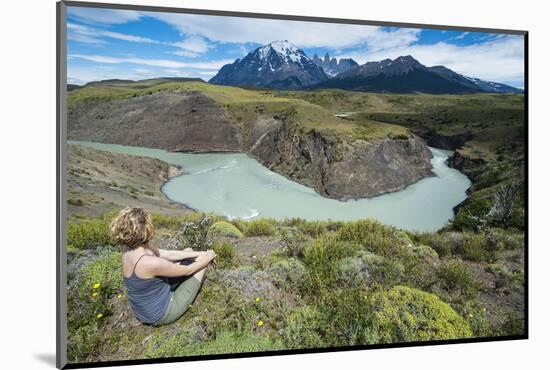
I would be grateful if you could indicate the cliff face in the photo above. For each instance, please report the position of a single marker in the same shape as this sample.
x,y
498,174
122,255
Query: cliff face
x,y
339,169
176,121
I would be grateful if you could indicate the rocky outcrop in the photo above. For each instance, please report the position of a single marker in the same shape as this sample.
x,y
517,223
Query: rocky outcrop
x,y
176,121
447,142
339,169
471,167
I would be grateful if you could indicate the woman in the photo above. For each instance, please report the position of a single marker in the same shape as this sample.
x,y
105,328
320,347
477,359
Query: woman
x,y
159,290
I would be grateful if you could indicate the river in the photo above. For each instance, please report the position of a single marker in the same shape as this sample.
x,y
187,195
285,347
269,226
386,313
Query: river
x,y
237,186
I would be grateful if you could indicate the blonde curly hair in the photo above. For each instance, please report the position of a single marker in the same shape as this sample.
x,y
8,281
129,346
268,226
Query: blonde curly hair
x,y
133,227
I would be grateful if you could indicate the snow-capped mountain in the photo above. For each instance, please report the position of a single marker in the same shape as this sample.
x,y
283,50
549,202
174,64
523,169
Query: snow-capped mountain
x,y
332,66
279,64
406,74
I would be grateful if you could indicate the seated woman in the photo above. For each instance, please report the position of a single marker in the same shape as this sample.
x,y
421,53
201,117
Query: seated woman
x,y
159,290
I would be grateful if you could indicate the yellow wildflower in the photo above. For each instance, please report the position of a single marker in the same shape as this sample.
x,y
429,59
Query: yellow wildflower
x,y
94,294
470,315
97,285
258,299
260,323
119,296
99,315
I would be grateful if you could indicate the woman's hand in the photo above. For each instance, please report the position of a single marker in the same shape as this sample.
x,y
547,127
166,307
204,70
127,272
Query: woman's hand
x,y
209,254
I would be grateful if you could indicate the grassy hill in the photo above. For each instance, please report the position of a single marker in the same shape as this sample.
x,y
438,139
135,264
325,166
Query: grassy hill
x,y
296,284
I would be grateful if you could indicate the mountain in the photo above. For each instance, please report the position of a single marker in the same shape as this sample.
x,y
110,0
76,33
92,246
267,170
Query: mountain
x,y
331,66
279,65
407,75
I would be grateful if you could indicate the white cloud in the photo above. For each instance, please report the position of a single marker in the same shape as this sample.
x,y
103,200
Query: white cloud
x,y
78,32
213,65
105,16
192,46
302,34
500,59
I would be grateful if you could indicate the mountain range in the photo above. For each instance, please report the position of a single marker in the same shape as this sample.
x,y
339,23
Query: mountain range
x,y
281,65
332,66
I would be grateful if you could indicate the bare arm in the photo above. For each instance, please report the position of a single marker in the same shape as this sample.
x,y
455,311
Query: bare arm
x,y
162,267
174,255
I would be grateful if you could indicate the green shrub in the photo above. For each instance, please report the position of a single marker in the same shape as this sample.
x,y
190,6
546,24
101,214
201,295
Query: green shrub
x,y
288,274
226,229
304,328
88,233
260,227
455,277
293,242
75,202
384,271
347,318
475,248
226,254
505,277
375,237
423,251
353,272
321,260
404,314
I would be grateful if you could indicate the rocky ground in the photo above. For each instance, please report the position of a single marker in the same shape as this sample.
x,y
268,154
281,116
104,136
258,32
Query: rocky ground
x,y
100,181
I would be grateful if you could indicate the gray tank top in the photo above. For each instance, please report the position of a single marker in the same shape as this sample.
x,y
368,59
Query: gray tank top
x,y
149,298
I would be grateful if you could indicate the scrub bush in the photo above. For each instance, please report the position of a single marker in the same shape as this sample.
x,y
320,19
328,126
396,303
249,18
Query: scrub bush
x,y
404,314
288,274
225,229
304,328
88,233
260,227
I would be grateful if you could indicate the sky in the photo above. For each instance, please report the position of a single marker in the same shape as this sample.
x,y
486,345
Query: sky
x,y
128,44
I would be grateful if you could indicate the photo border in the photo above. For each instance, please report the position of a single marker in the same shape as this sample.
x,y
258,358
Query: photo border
x,y
61,188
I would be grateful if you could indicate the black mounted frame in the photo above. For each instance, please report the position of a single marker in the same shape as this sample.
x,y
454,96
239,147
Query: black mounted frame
x,y
61,191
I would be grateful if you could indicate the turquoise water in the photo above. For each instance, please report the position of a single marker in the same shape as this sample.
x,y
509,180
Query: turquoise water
x,y
237,186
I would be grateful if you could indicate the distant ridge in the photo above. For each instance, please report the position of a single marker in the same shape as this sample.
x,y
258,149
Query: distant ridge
x,y
405,74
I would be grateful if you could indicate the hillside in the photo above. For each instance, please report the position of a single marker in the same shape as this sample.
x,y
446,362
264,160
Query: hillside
x,y
486,131
99,182
195,116
297,284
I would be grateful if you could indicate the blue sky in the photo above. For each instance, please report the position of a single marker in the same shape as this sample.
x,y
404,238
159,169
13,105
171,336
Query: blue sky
x,y
108,43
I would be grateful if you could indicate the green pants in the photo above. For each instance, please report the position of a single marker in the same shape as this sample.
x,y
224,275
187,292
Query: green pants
x,y
180,299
